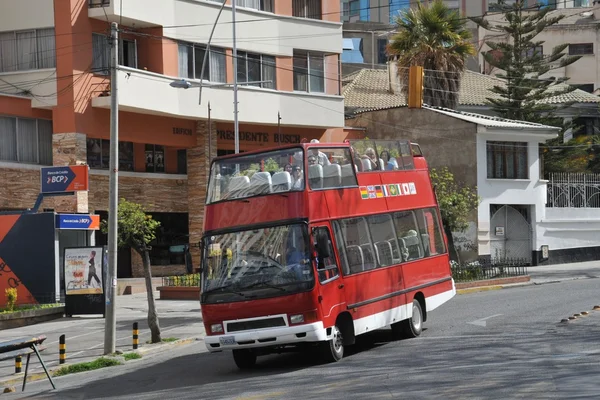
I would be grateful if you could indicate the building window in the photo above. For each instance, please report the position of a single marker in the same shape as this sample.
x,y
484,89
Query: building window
x,y
256,67
382,51
155,158
182,161
261,5
307,9
191,57
586,127
171,237
507,160
537,51
101,53
309,72
581,49
27,50
26,140
98,154
395,7
587,87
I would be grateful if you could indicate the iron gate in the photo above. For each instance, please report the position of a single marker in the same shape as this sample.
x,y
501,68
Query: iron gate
x,y
510,234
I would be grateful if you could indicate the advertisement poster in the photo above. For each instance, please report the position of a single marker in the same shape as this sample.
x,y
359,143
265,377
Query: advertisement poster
x,y
83,270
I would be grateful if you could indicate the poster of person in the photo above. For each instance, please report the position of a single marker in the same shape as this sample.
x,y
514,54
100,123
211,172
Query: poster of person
x,y
83,270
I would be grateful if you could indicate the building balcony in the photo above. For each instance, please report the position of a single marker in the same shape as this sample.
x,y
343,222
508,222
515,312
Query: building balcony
x,y
38,84
257,31
150,93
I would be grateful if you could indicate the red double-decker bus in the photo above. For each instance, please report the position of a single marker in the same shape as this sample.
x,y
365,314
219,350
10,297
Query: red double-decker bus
x,y
314,244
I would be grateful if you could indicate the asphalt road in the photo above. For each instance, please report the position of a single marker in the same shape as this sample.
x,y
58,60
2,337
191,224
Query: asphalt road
x,y
501,344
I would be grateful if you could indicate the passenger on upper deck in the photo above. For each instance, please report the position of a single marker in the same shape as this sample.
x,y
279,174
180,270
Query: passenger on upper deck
x,y
323,160
371,157
297,178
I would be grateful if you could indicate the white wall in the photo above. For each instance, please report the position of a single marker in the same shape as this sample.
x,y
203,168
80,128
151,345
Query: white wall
x,y
150,93
531,191
26,14
566,228
257,31
41,83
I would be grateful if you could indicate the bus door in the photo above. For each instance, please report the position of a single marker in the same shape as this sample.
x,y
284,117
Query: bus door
x,y
332,297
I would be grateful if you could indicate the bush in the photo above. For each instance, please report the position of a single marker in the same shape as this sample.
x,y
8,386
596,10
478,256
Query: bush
x,y
11,298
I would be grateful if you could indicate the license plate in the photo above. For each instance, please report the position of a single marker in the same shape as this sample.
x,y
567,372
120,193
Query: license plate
x,y
227,340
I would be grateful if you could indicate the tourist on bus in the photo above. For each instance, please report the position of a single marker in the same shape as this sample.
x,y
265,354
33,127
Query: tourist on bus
x,y
297,178
371,156
322,157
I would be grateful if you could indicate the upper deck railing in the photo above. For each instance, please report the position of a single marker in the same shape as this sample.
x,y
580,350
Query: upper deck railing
x,y
317,166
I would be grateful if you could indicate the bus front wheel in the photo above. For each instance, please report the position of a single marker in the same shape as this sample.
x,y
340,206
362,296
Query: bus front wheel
x,y
244,359
333,350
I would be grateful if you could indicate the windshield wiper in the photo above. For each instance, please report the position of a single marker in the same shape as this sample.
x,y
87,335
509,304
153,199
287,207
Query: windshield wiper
x,y
222,288
264,283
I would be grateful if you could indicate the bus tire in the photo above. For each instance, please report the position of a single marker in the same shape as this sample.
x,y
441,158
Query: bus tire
x,y
414,325
244,358
333,350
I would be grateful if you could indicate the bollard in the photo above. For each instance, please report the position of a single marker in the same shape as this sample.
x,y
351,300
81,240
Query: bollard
x,y
62,349
18,364
135,335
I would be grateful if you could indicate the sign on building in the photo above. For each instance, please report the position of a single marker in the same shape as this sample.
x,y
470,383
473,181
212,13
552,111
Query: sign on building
x,y
71,178
78,221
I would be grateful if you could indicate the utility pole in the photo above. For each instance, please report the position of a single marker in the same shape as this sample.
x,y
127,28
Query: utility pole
x,y
110,323
236,126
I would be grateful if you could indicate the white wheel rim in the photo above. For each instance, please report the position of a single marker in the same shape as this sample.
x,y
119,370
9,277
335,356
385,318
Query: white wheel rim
x,y
337,340
416,318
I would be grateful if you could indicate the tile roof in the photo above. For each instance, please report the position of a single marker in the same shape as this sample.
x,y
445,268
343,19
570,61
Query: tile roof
x,y
368,90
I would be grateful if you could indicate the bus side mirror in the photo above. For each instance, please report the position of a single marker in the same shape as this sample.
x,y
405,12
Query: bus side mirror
x,y
323,245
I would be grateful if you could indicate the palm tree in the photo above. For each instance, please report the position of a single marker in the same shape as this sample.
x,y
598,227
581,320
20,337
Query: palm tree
x,y
436,38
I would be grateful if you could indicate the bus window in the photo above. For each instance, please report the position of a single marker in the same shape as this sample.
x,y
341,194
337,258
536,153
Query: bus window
x,y
389,155
411,246
330,168
431,234
384,239
359,253
327,268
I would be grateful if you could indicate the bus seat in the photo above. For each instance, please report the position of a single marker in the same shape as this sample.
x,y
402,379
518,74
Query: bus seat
x,y
395,251
384,253
404,253
414,247
315,176
238,186
366,164
426,247
381,164
348,178
261,183
355,259
282,181
332,176
369,257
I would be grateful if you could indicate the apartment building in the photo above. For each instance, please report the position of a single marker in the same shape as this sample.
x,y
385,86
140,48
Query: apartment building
x,y
55,95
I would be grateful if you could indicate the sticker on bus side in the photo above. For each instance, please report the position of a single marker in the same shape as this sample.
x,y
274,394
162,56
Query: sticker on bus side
x,y
389,190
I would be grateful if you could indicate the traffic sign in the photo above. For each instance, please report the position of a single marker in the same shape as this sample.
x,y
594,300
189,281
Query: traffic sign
x,y
78,221
71,178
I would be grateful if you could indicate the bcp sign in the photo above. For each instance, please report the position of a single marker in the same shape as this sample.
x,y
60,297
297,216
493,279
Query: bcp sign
x,y
72,178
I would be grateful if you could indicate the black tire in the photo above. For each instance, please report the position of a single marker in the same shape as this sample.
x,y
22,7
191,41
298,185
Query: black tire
x,y
244,359
413,326
333,350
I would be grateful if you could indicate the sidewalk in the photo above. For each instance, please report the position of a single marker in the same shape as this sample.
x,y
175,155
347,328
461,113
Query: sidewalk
x,y
85,335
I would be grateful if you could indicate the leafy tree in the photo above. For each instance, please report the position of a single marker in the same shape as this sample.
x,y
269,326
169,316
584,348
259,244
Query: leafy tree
x,y
137,230
436,38
524,66
455,204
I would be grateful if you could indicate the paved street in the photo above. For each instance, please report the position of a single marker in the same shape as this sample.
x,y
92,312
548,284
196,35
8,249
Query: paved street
x,y
500,344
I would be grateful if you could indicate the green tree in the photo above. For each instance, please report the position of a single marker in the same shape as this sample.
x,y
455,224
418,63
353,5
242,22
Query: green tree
x,y
524,65
436,38
456,203
137,230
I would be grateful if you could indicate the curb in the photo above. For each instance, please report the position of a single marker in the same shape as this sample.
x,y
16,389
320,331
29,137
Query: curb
x,y
17,379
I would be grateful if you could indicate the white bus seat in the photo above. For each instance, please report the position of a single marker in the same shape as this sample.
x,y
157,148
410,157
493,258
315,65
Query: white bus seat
x,y
238,186
355,259
282,181
384,253
261,183
366,164
332,176
369,257
413,244
315,176
348,178
381,164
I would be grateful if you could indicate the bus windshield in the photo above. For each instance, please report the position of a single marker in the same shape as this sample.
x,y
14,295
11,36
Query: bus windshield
x,y
256,263
250,175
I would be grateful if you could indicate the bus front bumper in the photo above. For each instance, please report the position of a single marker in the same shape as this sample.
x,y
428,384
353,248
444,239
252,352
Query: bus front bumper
x,y
314,332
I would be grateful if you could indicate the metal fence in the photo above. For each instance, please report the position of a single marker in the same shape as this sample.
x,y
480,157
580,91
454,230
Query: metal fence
x,y
573,190
489,269
182,280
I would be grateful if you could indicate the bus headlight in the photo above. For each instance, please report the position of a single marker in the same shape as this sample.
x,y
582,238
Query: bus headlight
x,y
296,319
216,328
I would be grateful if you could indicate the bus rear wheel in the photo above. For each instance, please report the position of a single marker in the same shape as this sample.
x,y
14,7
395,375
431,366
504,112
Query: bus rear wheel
x,y
333,350
411,327
244,359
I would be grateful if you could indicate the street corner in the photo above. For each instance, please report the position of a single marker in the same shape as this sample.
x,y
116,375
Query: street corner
x,y
478,289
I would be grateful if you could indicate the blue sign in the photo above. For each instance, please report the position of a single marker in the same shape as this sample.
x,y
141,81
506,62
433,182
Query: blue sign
x,y
78,221
70,178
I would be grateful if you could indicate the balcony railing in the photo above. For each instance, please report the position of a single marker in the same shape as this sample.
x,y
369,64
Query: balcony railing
x,y
98,3
573,190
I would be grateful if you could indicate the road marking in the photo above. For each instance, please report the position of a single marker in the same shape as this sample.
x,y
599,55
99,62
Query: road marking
x,y
482,321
